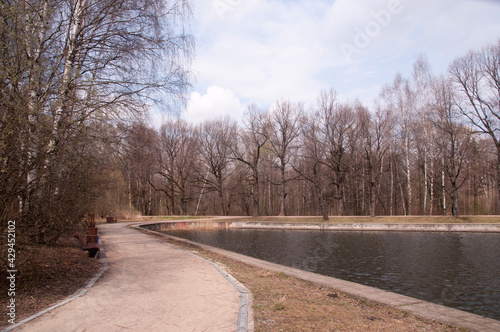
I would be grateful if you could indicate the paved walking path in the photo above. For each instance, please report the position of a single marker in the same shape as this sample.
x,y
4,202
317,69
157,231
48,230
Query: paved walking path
x,y
149,286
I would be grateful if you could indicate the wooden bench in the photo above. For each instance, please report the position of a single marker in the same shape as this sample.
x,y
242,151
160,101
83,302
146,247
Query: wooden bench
x,y
110,220
92,242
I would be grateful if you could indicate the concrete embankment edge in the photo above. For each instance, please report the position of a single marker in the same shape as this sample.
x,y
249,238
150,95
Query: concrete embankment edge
x,y
415,306
478,228
366,227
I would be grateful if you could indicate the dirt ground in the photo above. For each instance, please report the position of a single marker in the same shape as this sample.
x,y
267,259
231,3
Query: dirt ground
x,y
46,275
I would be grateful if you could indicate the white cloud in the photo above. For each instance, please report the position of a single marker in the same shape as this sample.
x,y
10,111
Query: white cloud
x,y
265,50
217,102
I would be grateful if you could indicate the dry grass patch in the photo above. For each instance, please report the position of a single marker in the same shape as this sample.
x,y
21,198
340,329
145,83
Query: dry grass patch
x,y
284,303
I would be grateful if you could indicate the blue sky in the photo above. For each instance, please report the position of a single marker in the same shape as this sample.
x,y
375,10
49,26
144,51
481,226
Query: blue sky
x,y
264,50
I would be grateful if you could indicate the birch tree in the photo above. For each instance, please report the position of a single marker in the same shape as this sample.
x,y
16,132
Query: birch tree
x,y
399,97
72,69
422,81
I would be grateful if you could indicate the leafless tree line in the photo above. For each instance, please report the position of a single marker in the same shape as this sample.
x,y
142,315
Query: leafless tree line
x,y
71,72
430,146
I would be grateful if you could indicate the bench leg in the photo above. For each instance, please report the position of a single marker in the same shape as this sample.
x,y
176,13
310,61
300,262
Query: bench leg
x,y
93,252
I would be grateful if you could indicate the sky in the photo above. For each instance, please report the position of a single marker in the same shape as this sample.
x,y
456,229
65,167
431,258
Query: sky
x,y
261,51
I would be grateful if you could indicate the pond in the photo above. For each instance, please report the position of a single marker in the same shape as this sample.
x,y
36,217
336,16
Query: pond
x,y
459,270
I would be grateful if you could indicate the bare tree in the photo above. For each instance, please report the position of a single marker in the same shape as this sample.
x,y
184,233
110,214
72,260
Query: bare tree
x,y
282,131
477,77
215,139
310,165
338,124
139,159
454,140
329,140
178,157
376,137
248,148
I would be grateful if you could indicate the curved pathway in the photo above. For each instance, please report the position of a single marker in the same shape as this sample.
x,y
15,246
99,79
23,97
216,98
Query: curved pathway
x,y
149,286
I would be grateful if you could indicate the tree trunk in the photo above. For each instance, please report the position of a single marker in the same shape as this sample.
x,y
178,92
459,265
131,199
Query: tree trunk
x,y
454,207
255,193
431,203
321,199
282,190
391,198
426,183
408,176
172,198
403,204
321,202
223,203
443,189
498,179
69,66
373,198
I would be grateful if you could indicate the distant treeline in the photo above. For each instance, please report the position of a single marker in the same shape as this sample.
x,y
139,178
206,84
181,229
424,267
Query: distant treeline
x,y
430,146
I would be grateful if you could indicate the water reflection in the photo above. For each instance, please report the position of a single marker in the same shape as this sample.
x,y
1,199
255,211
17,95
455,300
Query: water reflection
x,y
460,270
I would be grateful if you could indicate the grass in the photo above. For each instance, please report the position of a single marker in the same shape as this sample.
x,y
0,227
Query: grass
x,y
285,303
